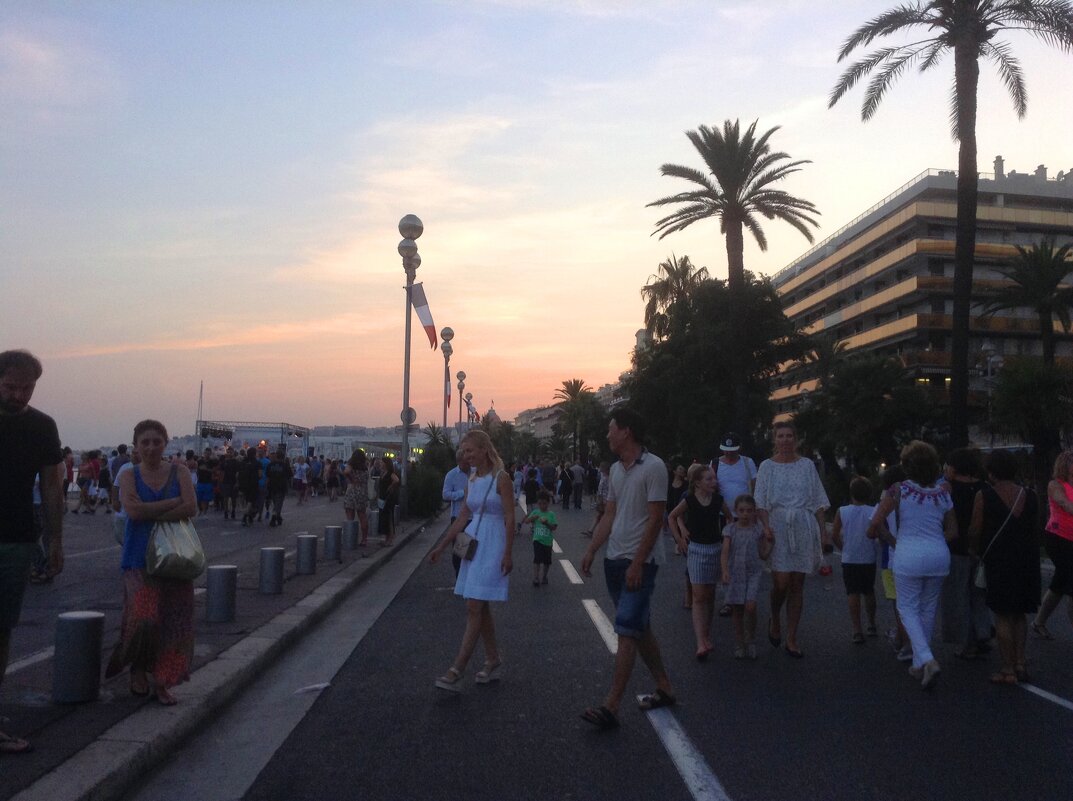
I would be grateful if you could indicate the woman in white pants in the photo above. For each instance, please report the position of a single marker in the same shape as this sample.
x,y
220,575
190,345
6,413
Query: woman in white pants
x,y
921,558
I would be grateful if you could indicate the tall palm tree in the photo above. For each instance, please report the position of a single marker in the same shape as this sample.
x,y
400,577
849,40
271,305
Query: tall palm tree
x,y
1037,274
674,281
742,169
968,28
574,396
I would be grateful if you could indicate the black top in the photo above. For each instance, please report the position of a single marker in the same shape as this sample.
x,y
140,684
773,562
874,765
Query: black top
x,y
703,521
29,442
278,473
231,465
963,494
1012,563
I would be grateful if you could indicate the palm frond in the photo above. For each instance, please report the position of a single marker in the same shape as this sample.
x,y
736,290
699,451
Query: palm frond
x,y
882,80
1009,69
903,16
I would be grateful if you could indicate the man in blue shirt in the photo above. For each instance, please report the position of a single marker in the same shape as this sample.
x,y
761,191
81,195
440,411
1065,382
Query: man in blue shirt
x,y
454,490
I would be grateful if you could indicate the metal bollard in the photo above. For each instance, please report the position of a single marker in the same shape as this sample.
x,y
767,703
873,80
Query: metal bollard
x,y
333,543
271,571
220,584
307,554
351,534
76,665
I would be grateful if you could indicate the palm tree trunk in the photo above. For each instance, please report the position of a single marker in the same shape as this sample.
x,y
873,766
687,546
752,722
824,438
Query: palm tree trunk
x,y
1046,335
735,239
966,80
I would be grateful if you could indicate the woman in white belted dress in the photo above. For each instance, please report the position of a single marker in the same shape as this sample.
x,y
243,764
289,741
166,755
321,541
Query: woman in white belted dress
x,y
791,501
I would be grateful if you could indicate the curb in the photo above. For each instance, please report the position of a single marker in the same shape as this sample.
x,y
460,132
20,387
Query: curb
x,y
121,756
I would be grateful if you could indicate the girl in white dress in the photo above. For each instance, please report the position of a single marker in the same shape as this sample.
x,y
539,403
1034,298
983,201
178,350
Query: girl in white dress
x,y
790,501
487,515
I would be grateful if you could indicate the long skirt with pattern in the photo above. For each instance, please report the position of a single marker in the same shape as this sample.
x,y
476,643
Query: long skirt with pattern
x,y
157,634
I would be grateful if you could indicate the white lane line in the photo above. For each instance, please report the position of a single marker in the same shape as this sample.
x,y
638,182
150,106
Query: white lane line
x,y
30,660
571,574
90,553
555,547
603,625
1054,699
702,783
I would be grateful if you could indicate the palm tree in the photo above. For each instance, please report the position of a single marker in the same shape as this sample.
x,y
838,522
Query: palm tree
x,y
968,28
825,354
1037,274
437,435
742,170
674,281
574,397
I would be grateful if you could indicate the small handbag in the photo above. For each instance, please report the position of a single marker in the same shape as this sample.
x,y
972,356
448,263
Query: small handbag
x,y
465,545
174,550
980,577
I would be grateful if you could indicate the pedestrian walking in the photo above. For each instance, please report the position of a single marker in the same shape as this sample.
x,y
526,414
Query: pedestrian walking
x,y
859,556
356,497
745,546
488,517
636,503
1058,540
544,523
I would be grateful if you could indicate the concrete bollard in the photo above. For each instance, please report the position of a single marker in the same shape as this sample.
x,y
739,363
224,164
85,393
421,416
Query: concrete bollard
x,y
76,665
307,554
333,543
351,534
271,571
220,584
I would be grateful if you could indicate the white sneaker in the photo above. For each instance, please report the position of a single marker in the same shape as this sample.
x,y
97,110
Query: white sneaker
x,y
905,655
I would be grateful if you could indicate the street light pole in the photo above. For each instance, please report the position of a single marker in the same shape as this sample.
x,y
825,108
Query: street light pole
x,y
446,334
461,376
411,228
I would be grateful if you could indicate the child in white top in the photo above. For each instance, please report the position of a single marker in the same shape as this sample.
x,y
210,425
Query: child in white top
x,y
858,555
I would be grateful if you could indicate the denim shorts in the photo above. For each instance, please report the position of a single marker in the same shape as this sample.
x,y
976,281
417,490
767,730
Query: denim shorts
x,y
631,606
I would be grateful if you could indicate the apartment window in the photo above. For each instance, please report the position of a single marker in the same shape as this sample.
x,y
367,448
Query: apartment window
x,y
935,267
938,306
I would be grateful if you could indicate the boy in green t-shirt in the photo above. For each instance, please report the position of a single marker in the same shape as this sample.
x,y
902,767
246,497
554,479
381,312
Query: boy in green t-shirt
x,y
544,522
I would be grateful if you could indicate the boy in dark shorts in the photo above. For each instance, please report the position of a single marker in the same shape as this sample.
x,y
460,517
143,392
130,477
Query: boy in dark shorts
x,y
859,554
544,523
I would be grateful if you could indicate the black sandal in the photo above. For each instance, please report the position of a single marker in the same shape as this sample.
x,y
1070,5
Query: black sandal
x,y
656,700
601,717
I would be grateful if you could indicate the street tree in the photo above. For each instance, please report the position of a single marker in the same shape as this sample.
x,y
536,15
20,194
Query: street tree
x,y
674,280
737,189
709,373
1037,274
968,28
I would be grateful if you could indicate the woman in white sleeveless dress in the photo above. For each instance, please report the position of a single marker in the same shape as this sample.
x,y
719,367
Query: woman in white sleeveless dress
x,y
487,515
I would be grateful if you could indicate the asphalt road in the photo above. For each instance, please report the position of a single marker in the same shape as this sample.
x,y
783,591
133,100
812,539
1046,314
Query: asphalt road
x,y
846,722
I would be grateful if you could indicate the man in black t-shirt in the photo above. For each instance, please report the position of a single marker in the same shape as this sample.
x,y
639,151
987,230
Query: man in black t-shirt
x,y
279,475
30,444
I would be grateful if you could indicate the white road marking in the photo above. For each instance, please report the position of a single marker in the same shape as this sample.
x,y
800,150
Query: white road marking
x,y
30,660
603,625
702,783
555,547
1054,699
571,574
698,777
90,553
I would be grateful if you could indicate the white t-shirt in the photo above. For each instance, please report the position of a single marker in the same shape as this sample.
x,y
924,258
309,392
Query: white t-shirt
x,y
857,549
631,491
300,472
734,478
922,549
125,468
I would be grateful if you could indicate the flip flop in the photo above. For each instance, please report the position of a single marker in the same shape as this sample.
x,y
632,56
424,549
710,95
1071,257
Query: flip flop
x,y
656,700
601,717
14,746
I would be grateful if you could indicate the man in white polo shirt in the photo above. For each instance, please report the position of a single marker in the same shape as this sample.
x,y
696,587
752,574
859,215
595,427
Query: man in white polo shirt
x,y
631,525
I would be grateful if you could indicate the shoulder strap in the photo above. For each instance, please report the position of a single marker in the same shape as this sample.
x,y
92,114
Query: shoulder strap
x,y
1004,522
172,475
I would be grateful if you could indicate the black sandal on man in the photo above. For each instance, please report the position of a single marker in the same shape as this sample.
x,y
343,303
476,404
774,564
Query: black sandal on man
x,y
601,717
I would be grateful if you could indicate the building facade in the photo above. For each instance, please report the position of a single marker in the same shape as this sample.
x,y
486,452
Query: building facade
x,y
884,282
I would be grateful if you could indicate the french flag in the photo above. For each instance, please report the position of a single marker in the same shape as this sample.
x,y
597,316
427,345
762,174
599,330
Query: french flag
x,y
447,392
424,313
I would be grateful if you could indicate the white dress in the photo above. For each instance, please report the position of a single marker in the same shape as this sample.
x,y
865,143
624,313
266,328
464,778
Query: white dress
x,y
482,578
791,493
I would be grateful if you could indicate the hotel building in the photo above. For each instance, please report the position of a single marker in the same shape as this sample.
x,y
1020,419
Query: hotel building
x,y
884,282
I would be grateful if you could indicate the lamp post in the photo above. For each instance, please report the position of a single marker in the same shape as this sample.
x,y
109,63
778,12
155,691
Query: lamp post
x,y
469,411
411,228
461,376
446,334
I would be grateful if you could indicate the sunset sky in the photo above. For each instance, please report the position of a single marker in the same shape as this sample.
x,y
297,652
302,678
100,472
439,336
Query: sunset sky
x,y
202,191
